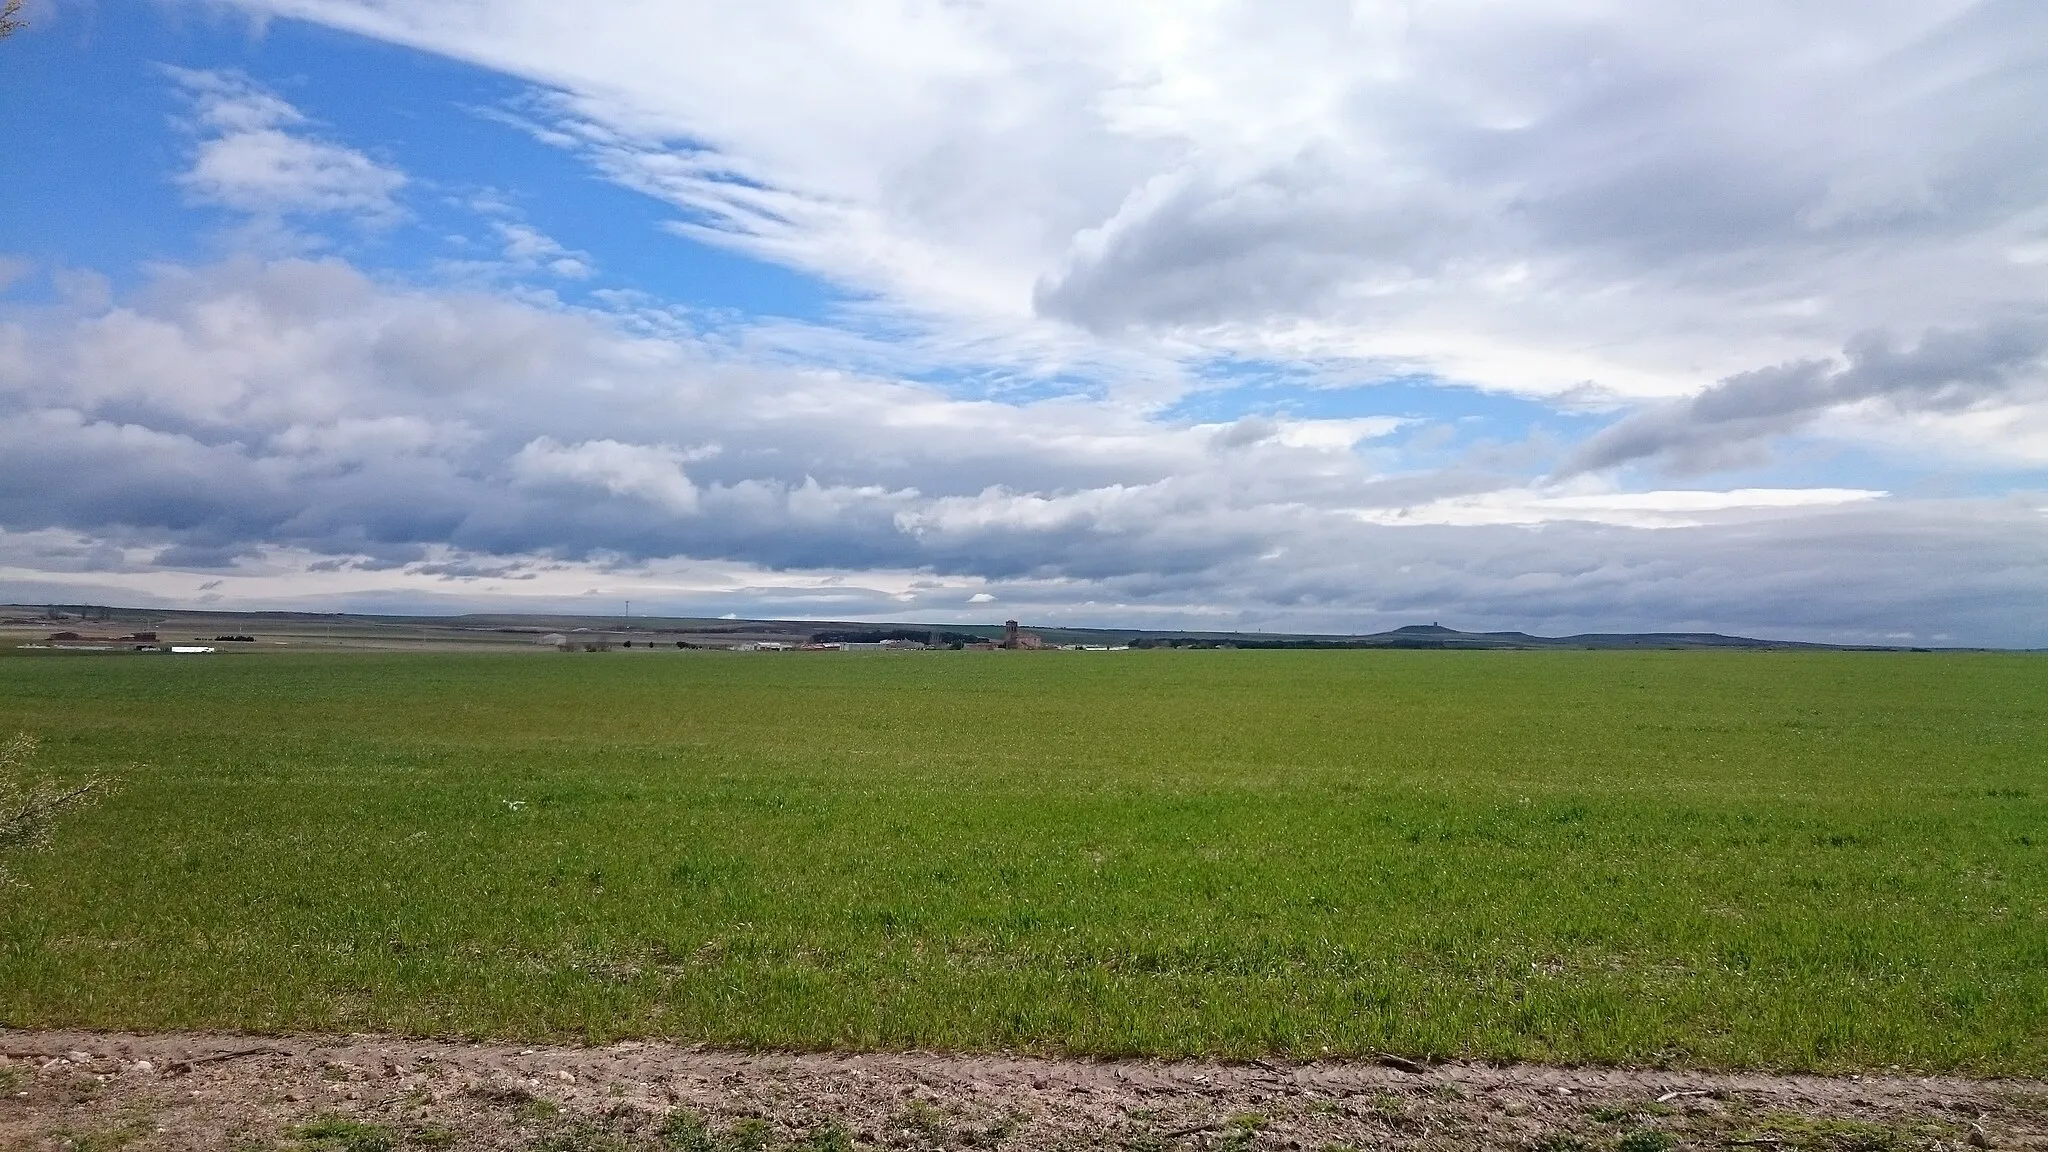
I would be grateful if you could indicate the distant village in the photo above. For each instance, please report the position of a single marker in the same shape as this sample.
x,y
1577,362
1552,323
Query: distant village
x,y
89,629
843,640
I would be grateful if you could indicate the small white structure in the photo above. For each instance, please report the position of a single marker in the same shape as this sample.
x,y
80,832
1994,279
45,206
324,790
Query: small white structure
x,y
190,649
554,640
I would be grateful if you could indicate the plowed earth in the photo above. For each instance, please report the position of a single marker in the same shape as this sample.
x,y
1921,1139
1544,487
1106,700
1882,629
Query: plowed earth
x,y
96,1092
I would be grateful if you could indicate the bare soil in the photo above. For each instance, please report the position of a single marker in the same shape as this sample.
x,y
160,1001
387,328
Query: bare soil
x,y
97,1092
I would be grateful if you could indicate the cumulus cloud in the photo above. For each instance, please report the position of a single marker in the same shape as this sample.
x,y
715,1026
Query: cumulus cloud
x,y
295,428
653,473
299,403
254,156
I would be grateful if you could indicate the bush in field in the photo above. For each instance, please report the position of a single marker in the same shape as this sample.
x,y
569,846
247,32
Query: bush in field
x,y
29,809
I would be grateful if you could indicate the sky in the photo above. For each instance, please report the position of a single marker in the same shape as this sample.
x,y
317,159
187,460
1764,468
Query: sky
x,y
1553,315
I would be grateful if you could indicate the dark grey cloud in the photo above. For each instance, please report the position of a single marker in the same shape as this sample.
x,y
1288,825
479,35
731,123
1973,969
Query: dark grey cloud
x,y
1946,370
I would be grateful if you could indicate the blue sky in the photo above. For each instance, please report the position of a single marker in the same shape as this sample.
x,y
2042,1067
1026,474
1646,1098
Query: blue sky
x,y
102,192
1305,316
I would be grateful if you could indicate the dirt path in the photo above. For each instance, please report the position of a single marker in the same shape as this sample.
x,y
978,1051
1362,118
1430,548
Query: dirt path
x,y
96,1092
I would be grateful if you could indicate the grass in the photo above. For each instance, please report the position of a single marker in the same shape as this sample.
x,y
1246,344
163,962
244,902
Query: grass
x,y
1709,859
1794,1131
340,1134
112,1137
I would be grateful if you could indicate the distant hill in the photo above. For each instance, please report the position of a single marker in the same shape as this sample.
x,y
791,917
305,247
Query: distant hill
x,y
1435,636
1439,637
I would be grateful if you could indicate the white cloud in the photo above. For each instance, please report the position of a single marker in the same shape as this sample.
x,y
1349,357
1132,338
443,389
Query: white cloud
x,y
1674,508
253,157
653,473
528,248
1325,435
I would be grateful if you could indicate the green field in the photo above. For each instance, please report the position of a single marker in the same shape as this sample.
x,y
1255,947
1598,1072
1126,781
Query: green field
x,y
1760,860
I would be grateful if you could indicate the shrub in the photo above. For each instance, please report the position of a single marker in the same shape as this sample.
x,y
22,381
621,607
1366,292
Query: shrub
x,y
28,810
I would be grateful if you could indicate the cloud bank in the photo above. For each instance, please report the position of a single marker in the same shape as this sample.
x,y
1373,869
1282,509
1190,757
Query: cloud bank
x,y
252,421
